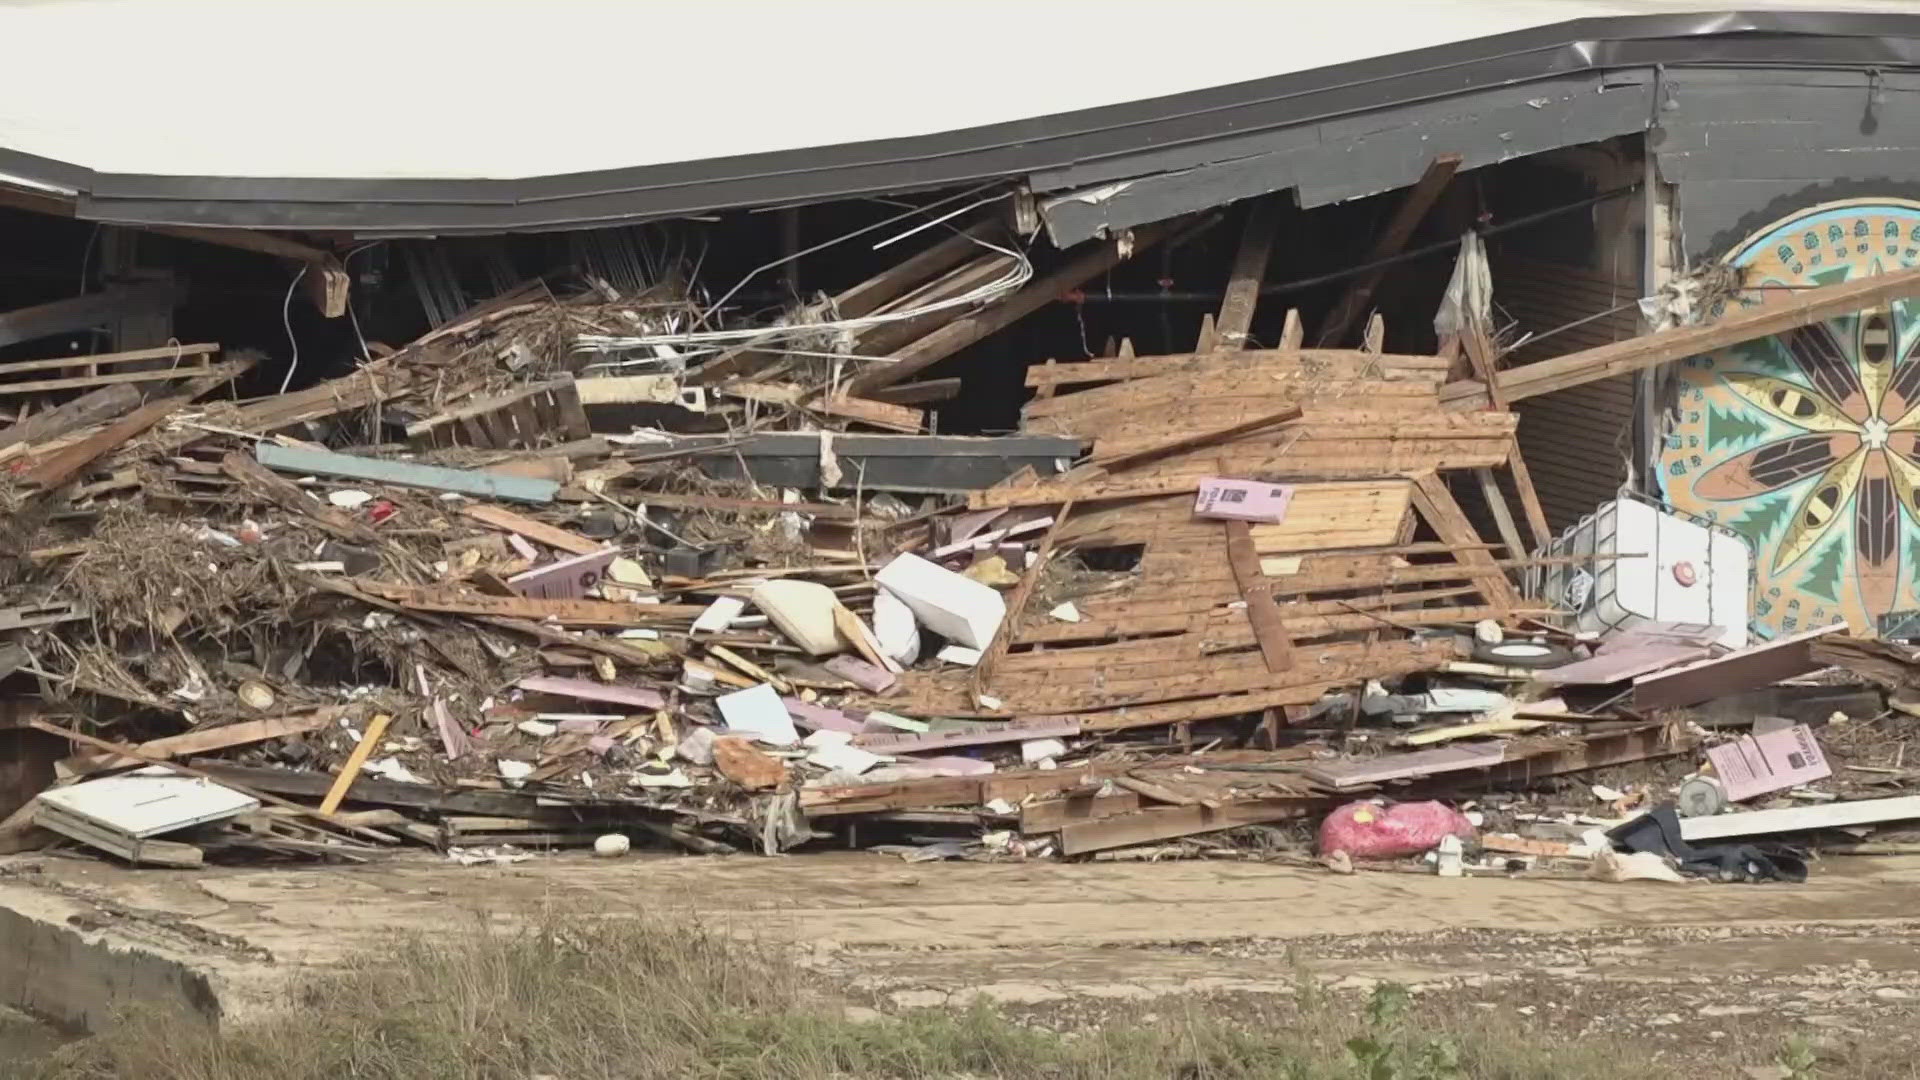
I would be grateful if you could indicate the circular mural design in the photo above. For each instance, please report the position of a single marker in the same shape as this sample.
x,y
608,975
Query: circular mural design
x,y
1808,443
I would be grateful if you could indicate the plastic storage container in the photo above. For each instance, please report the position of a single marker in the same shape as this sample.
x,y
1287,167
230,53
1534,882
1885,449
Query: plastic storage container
x,y
1688,571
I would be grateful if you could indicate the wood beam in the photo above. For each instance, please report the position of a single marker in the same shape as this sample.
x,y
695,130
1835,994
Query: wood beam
x,y
81,312
1529,497
1776,312
1249,271
964,331
1436,504
59,467
1502,514
1391,241
84,411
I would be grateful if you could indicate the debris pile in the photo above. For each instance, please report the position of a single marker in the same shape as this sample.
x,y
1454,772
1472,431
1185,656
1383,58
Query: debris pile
x,y
540,580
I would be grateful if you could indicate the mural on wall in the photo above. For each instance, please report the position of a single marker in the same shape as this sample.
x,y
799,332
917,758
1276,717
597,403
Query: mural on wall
x,y
1808,443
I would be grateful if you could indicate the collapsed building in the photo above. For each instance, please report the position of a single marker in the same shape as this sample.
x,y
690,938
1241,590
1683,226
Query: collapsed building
x,y
995,470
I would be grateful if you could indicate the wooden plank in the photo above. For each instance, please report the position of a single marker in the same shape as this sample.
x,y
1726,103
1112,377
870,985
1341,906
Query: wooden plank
x,y
505,520
1157,792
526,433
903,276
884,338
1009,627
1350,774
1249,270
601,613
826,511
1049,815
473,482
61,466
1180,690
1262,614
1775,312
367,789
900,418
350,770
895,417
964,331
1391,241
1168,822
83,382
1529,498
1361,458
84,411
939,791
907,742
1502,514
1185,441
214,738
918,393
1292,334
1344,363
165,352
91,309
1227,628
1436,504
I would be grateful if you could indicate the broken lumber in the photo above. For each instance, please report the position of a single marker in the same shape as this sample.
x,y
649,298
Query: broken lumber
x,y
350,769
499,517
84,411
967,329
58,468
1407,216
1775,313
205,739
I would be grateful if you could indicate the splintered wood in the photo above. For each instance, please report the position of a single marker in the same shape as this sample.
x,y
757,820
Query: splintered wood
x,y
1183,617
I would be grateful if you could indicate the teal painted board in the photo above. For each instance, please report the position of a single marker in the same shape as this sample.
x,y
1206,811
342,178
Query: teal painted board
x,y
483,485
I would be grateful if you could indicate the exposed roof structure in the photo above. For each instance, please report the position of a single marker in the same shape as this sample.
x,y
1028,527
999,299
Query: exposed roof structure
x,y
413,117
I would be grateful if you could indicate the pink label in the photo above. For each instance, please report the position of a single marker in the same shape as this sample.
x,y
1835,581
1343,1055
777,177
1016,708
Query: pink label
x,y
1756,764
1243,500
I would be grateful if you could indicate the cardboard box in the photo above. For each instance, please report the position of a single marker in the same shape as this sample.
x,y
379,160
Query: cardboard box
x,y
1756,764
1243,500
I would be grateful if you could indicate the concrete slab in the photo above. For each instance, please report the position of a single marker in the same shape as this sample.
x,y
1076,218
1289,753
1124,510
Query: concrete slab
x,y
80,938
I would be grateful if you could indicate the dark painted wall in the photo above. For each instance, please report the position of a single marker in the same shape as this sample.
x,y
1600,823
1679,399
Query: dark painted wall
x,y
1748,147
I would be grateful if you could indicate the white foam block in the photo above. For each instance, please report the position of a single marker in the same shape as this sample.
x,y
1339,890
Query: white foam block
x,y
759,713
957,608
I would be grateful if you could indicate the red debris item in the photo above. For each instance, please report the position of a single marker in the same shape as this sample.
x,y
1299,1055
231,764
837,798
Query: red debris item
x,y
1368,830
380,511
250,533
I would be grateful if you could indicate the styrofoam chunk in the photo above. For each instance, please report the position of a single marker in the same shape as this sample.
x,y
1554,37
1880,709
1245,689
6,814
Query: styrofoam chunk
x,y
963,611
959,654
1034,751
894,625
758,712
719,614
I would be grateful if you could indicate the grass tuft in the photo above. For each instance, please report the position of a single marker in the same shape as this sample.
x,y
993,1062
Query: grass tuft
x,y
613,999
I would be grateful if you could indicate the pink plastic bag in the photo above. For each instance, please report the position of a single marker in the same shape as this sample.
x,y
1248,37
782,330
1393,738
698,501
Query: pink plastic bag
x,y
1366,830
